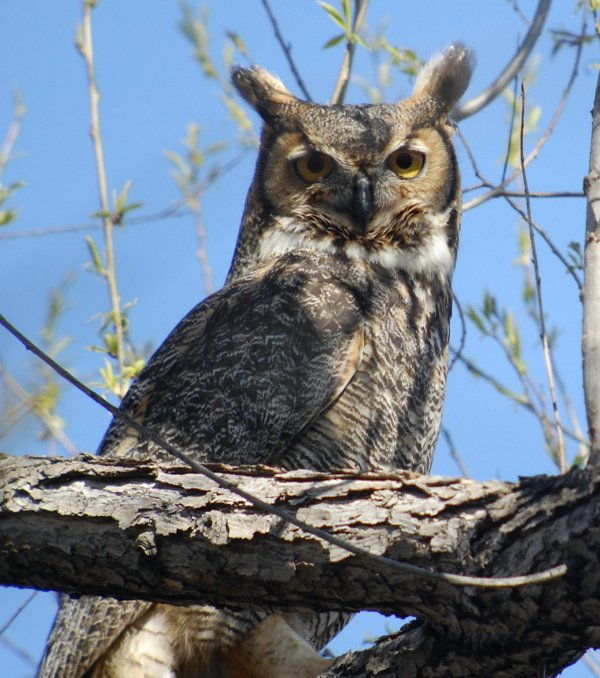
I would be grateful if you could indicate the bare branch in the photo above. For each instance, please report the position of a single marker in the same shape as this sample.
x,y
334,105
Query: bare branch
x,y
339,91
262,505
17,612
560,443
174,210
501,193
29,405
66,519
591,289
524,401
544,194
463,333
455,454
497,190
85,45
13,132
26,656
287,50
480,101
379,510
548,240
520,13
592,663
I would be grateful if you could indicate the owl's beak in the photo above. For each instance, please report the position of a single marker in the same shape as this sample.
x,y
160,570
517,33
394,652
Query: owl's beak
x,y
363,201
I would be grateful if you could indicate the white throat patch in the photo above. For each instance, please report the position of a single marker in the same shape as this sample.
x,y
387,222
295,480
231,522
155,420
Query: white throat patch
x,y
431,257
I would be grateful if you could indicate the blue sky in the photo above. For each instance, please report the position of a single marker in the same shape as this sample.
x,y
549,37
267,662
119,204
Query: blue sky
x,y
152,89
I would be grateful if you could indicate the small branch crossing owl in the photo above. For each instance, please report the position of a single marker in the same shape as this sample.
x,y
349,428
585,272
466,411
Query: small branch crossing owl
x,y
325,349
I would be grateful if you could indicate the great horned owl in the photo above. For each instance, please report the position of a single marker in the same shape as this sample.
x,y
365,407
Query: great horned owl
x,y
326,349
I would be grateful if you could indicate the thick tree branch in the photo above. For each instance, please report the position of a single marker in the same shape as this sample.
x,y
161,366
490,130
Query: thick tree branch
x,y
484,98
90,526
591,288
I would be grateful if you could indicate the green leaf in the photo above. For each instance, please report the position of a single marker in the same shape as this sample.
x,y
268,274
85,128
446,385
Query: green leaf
x,y
476,319
238,43
533,118
111,344
95,255
361,42
489,306
513,341
120,200
528,292
7,217
332,42
237,113
336,17
347,10
217,147
177,160
111,381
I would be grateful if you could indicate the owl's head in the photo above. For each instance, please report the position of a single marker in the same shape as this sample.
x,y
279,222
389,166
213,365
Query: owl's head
x,y
373,182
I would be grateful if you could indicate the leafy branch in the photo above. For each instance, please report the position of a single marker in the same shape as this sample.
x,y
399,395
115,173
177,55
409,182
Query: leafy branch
x,y
116,343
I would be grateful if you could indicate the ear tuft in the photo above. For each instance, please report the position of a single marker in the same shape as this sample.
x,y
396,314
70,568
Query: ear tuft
x,y
263,91
445,78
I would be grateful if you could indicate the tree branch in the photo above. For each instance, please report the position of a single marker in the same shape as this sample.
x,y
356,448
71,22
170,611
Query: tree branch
x,y
480,101
343,78
287,50
179,538
591,288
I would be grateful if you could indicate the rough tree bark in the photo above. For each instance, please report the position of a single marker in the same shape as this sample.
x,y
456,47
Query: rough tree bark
x,y
168,534
90,526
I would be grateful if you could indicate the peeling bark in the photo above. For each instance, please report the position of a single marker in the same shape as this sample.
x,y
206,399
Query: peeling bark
x,y
87,525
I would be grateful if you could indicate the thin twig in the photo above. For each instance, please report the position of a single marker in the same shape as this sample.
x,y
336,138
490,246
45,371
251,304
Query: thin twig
x,y
87,51
522,401
518,398
520,12
505,194
28,403
584,444
463,332
530,389
147,434
480,101
17,612
287,50
174,210
13,132
455,454
570,269
590,660
25,655
542,194
201,253
562,462
497,190
339,92
513,115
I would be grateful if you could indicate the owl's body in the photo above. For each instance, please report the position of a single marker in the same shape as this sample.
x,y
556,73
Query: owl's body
x,y
326,349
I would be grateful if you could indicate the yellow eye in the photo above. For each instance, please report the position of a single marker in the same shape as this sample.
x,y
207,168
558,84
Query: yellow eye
x,y
406,164
313,166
